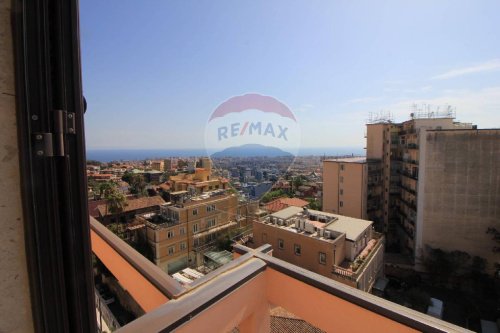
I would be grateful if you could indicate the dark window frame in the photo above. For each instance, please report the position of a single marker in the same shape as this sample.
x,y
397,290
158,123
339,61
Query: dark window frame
x,y
295,247
319,258
281,244
57,231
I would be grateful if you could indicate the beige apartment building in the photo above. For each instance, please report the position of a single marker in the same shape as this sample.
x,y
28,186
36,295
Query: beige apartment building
x,y
345,186
433,182
342,248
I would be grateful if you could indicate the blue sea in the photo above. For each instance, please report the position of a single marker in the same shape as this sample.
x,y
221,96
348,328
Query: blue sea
x,y
107,155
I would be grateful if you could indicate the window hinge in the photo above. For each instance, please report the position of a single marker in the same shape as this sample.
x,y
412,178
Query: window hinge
x,y
52,144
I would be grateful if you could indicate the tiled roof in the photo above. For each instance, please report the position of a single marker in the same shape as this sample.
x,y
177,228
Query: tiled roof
x,y
135,204
286,325
93,205
282,203
283,321
165,186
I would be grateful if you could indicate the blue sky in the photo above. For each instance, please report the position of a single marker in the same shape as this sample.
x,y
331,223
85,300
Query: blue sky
x,y
153,71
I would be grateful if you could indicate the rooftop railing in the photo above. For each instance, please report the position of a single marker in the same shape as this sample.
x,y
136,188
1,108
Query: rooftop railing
x,y
355,274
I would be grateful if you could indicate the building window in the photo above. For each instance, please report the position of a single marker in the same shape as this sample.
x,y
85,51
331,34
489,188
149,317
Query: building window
x,y
183,246
281,244
341,192
341,179
341,167
171,250
182,230
196,242
322,258
341,204
297,249
195,211
264,237
195,228
210,208
210,223
170,234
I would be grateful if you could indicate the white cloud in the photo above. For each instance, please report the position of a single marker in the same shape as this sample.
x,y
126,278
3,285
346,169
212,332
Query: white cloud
x,y
488,66
481,107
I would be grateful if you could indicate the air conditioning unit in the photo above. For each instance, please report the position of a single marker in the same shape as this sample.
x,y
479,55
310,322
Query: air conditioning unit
x,y
327,234
302,224
309,227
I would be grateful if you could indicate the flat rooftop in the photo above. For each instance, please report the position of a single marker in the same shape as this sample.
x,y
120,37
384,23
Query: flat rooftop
x,y
352,227
288,212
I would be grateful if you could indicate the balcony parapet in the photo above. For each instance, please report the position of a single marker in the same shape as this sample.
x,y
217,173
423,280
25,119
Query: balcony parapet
x,y
238,294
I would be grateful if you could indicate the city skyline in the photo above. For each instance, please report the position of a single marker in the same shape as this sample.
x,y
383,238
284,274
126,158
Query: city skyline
x,y
157,71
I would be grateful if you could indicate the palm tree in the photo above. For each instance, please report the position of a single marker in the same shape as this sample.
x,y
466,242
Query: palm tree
x,y
105,188
115,201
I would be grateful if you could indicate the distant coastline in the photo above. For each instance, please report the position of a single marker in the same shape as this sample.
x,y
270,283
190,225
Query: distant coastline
x,y
107,155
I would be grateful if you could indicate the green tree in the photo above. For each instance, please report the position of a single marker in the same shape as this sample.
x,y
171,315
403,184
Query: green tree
x,y
314,204
118,229
127,176
137,185
94,162
115,201
105,188
165,177
297,182
272,195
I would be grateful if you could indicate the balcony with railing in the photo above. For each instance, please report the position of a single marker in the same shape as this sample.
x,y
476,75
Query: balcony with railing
x,y
408,189
354,271
409,203
239,295
409,174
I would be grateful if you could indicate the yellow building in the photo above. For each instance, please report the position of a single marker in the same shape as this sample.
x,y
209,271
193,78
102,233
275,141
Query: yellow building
x,y
179,231
157,165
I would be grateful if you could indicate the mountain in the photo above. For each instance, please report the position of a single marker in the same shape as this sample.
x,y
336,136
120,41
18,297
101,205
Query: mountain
x,y
251,150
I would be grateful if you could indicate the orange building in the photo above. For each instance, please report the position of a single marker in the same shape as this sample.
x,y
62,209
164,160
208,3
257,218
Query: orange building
x,y
339,247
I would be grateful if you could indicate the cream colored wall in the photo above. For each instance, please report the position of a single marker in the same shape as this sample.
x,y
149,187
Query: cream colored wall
x,y
353,182
354,190
330,187
15,305
374,141
459,199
